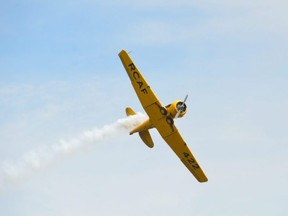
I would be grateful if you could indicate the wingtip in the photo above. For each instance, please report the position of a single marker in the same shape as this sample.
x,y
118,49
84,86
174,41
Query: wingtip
x,y
122,51
203,180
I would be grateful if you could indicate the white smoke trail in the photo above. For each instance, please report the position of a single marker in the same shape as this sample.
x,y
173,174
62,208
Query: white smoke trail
x,y
43,156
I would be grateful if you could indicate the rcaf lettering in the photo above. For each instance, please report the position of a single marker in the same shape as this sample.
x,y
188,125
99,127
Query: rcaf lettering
x,y
132,67
140,84
136,76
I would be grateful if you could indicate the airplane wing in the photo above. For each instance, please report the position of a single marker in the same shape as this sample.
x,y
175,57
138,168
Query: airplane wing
x,y
179,146
148,99
152,106
174,139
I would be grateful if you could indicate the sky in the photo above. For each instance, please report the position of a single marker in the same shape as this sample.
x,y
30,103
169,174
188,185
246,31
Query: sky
x,y
60,78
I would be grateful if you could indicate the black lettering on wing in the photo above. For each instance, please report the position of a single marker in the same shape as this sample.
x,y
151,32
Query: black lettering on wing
x,y
186,154
195,166
140,84
191,160
132,67
193,163
136,75
144,91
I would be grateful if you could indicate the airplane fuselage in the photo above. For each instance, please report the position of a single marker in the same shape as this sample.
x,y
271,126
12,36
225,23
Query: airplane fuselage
x,y
169,111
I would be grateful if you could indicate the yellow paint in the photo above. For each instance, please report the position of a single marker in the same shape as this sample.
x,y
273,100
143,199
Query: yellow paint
x,y
160,117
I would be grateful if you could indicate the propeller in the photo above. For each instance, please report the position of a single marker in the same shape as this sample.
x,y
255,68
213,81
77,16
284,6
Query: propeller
x,y
181,107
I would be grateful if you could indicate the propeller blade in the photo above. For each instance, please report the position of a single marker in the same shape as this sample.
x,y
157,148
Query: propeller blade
x,y
178,113
185,98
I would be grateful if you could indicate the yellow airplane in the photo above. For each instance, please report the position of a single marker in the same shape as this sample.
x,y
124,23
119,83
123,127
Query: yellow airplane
x,y
160,117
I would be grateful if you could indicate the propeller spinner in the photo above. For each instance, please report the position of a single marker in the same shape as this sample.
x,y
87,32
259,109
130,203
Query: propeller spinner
x,y
181,107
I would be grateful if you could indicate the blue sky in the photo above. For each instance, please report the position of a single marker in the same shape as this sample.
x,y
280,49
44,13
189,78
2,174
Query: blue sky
x,y
61,75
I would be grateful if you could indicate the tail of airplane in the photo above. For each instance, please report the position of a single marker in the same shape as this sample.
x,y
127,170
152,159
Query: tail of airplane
x,y
144,134
130,111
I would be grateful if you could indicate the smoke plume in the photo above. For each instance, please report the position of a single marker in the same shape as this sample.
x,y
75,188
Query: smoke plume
x,y
41,157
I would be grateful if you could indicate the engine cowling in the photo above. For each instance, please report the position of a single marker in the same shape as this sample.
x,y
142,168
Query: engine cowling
x,y
173,108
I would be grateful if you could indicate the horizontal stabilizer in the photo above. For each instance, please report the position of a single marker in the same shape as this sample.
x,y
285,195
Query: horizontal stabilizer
x,y
146,138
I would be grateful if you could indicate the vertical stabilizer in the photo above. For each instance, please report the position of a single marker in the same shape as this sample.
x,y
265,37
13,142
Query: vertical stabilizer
x,y
130,111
